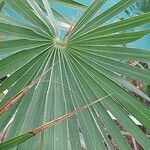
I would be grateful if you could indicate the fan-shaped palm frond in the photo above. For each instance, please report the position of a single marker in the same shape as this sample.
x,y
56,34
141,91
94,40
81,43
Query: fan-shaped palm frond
x,y
75,72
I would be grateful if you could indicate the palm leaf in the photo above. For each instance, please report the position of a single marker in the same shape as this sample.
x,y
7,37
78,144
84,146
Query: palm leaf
x,y
71,3
20,139
81,68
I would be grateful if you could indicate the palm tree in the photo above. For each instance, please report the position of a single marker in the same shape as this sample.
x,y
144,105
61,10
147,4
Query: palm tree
x,y
66,89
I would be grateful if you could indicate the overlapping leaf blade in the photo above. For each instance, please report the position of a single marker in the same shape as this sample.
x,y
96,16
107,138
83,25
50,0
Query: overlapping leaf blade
x,y
102,18
121,26
71,3
80,71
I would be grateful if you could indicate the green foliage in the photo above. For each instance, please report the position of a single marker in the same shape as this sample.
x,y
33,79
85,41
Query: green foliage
x,y
75,71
